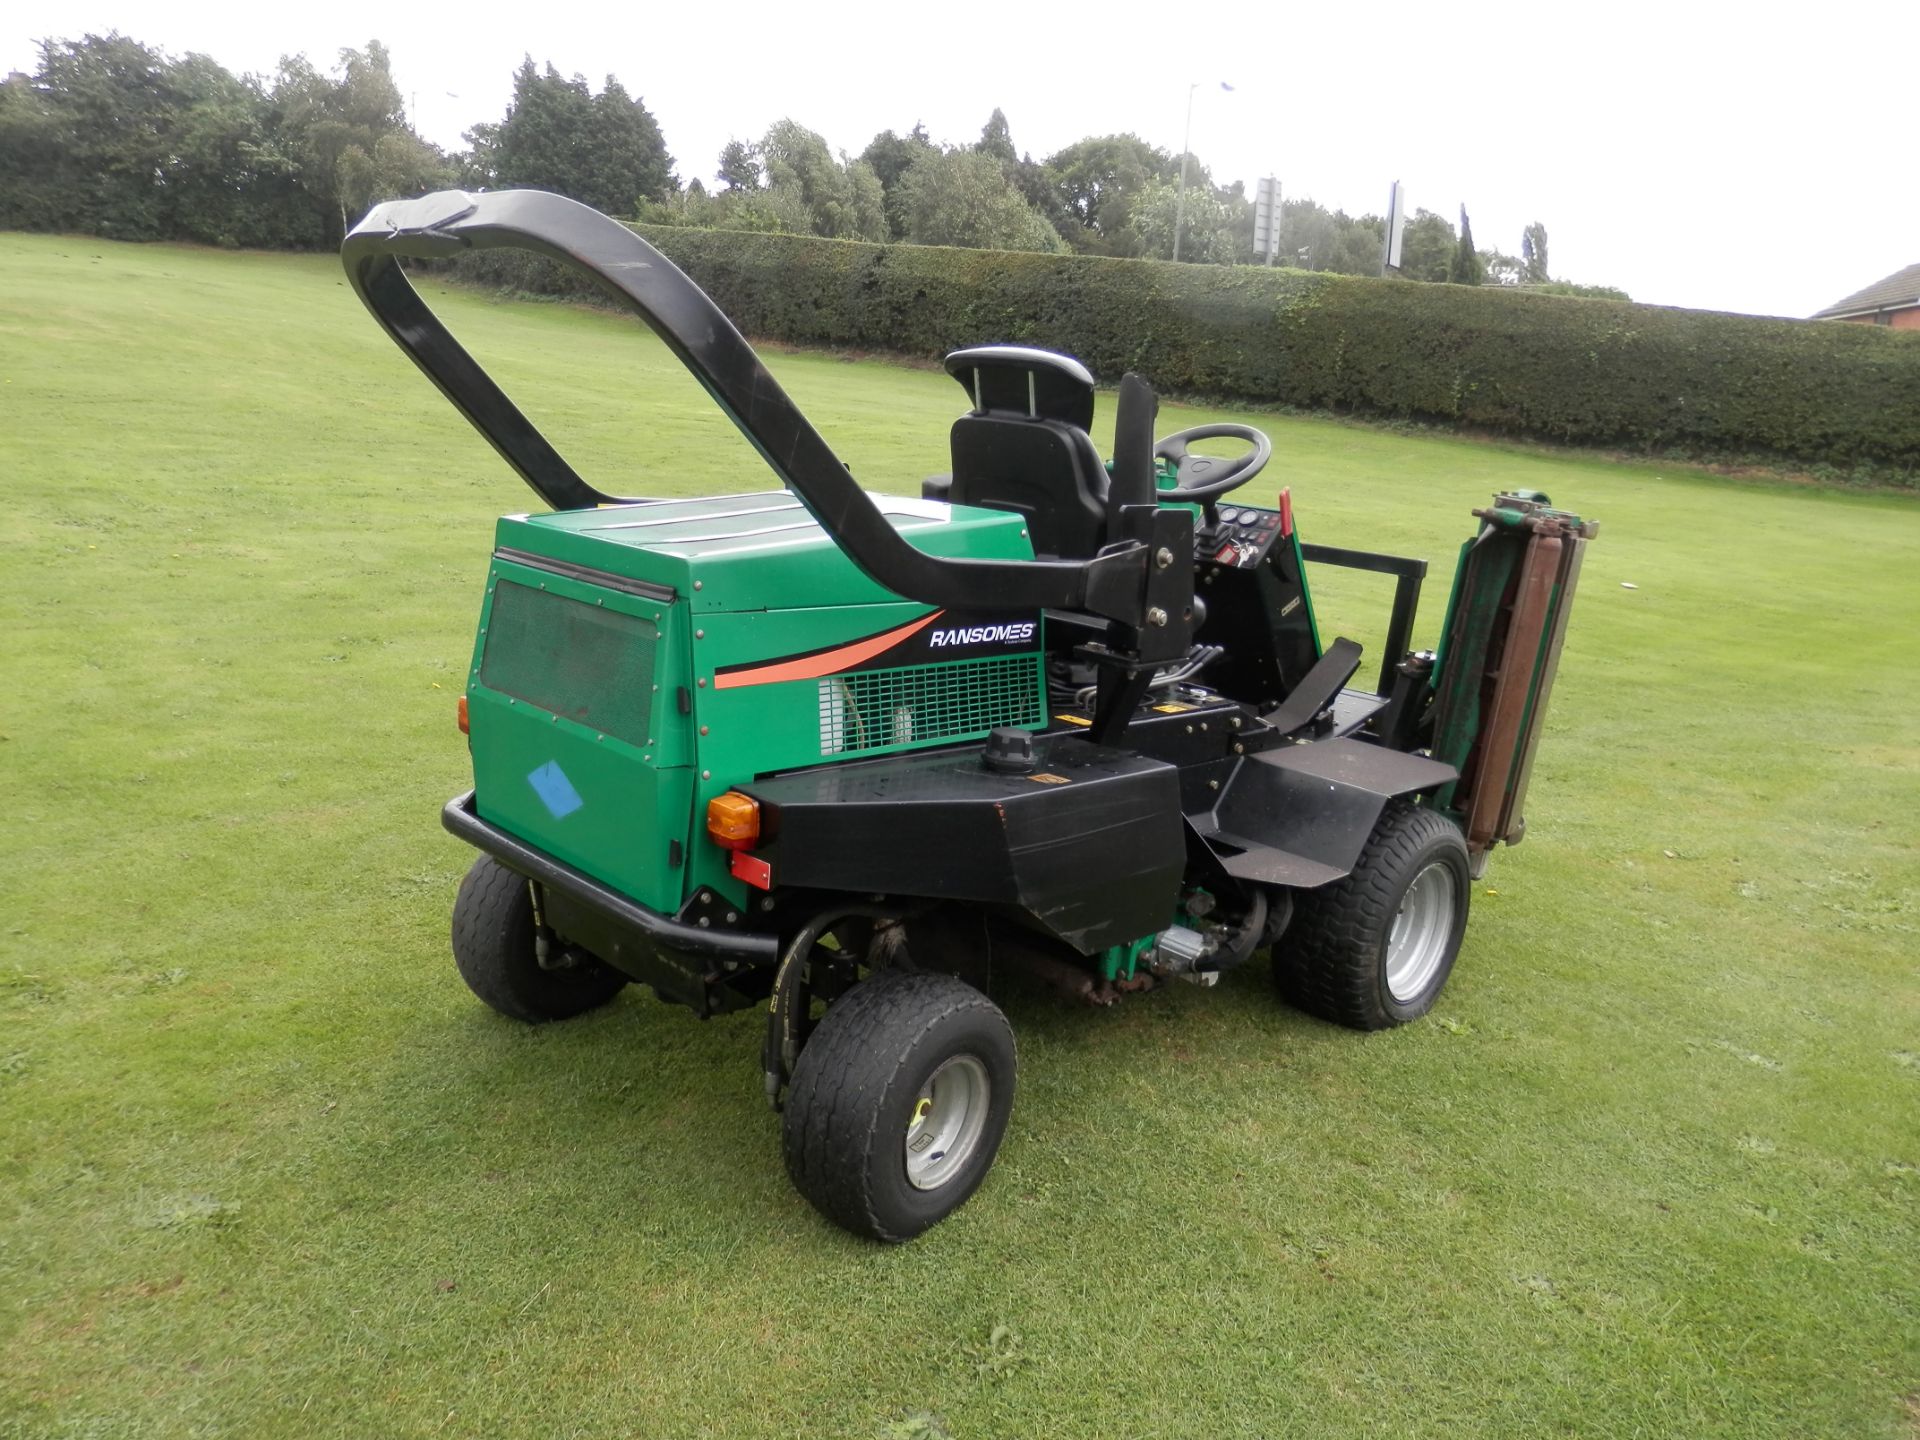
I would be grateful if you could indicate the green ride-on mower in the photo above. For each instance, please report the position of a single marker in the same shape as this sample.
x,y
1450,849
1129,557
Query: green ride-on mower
x,y
856,757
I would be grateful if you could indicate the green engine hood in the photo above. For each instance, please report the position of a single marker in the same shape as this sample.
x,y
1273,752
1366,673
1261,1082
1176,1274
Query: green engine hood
x,y
753,552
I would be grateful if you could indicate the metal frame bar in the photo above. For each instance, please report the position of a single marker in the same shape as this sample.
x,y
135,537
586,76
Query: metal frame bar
x,y
1112,584
461,818
1408,576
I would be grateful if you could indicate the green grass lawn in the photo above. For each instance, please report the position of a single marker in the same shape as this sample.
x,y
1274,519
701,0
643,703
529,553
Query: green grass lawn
x,y
266,1168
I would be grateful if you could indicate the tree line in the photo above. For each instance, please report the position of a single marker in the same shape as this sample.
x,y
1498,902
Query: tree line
x,y
115,138
111,137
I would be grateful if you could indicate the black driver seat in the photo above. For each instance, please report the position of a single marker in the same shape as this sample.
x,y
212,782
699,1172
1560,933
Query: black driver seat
x,y
1025,447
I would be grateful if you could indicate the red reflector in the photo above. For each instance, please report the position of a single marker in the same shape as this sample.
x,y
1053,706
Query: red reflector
x,y
752,869
460,711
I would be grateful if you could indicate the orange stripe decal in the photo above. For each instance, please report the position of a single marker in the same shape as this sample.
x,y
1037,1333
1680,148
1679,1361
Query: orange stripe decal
x,y
827,662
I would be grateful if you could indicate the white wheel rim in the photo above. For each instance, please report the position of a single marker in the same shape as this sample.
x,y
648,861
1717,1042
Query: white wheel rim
x,y
1422,928
946,1122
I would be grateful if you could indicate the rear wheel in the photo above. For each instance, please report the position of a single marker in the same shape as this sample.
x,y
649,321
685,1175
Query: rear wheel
x,y
495,946
899,1102
1374,949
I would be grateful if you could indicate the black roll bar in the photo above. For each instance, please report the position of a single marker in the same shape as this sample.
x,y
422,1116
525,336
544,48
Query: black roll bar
x,y
1111,584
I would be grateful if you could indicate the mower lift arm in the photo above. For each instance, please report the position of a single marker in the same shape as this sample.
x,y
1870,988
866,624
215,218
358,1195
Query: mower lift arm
x,y
1112,584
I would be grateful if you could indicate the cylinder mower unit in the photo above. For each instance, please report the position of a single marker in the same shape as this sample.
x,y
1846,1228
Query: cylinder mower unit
x,y
859,757
1503,636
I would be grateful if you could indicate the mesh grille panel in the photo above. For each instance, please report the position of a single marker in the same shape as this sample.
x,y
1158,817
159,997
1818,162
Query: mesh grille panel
x,y
882,709
570,658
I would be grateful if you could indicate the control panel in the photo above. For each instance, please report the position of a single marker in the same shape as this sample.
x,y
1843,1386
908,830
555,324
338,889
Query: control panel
x,y
1236,535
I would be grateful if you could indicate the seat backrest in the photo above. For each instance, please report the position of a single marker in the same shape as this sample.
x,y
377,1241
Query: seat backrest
x,y
1024,446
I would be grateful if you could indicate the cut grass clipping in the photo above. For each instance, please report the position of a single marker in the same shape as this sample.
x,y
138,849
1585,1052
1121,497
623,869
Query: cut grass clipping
x,y
1651,1168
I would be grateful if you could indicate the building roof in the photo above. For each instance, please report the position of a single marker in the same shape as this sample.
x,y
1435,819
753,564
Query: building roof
x,y
1896,292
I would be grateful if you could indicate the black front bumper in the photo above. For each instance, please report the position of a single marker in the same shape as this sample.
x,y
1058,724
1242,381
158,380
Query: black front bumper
x,y
709,969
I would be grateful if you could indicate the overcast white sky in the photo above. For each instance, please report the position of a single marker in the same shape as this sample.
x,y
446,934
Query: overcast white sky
x,y
1756,157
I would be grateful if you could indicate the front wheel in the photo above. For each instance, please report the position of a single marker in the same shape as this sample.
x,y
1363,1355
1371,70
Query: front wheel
x,y
496,947
1374,949
898,1103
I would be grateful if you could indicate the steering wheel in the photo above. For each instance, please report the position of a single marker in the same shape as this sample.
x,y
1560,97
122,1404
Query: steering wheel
x,y
1208,477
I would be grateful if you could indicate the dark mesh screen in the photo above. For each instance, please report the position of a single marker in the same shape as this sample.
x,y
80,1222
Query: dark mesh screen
x,y
881,709
570,658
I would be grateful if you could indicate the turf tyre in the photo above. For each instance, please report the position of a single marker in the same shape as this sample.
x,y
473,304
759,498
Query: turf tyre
x,y
493,947
856,1087
1334,960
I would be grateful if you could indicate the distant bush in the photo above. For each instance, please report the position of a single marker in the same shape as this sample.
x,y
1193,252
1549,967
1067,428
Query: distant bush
x,y
1568,287
1580,371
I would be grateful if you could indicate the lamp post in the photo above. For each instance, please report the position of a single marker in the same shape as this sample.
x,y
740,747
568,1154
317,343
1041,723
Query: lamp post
x,y
1186,146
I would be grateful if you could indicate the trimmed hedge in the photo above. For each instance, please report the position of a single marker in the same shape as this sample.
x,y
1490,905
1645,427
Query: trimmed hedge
x,y
1590,372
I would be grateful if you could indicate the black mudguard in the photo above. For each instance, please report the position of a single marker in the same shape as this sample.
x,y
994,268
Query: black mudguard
x,y
1089,847
1299,815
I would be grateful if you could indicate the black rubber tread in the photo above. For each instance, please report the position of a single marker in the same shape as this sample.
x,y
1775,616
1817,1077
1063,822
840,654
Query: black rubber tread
x,y
493,948
1331,962
854,1086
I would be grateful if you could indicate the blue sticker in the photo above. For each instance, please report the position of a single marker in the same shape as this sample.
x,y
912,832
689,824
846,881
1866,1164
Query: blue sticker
x,y
556,792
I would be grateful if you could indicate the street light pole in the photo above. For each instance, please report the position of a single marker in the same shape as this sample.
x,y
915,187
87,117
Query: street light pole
x,y
1186,145
1186,149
